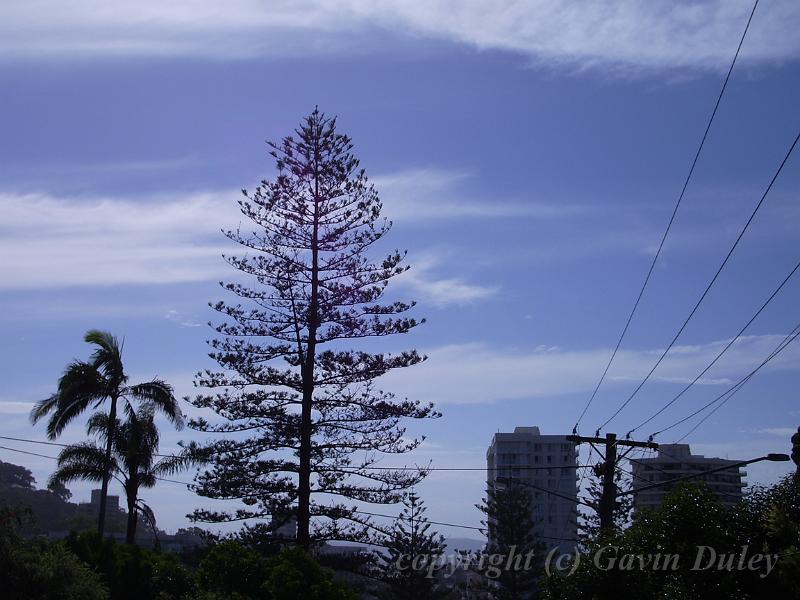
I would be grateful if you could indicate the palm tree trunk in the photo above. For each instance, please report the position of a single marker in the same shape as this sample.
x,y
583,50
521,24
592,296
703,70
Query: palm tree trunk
x,y
130,533
112,416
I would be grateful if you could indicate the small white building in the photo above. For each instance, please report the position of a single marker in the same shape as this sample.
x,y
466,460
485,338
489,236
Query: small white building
x,y
546,464
676,460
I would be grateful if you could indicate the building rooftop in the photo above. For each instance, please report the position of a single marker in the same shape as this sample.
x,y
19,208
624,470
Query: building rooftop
x,y
533,430
672,452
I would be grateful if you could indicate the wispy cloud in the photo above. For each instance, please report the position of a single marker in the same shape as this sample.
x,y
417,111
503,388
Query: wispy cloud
x,y
777,431
53,241
429,286
8,407
63,169
627,33
177,317
57,242
478,373
437,194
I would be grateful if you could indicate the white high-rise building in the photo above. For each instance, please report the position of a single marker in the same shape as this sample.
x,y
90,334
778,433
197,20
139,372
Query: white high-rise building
x,y
548,462
676,460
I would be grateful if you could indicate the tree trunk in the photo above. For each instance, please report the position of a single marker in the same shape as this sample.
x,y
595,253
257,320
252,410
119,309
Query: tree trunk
x,y
304,476
112,416
130,532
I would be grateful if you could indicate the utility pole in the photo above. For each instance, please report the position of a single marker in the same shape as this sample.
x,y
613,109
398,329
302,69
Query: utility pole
x,y
796,451
608,499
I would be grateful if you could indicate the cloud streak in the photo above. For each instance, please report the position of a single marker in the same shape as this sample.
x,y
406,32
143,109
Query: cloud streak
x,y
657,34
477,373
436,194
9,407
55,242
428,287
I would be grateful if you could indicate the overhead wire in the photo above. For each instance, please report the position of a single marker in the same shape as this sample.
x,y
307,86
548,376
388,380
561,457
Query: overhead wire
x,y
727,394
671,219
720,354
710,284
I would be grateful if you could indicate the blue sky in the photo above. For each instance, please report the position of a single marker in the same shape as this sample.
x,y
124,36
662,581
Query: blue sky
x,y
529,154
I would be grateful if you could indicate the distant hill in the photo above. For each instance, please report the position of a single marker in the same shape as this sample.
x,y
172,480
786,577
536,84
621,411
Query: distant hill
x,y
50,509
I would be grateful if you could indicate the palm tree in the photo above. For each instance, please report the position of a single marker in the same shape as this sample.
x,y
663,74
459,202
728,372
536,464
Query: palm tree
x,y
88,384
134,447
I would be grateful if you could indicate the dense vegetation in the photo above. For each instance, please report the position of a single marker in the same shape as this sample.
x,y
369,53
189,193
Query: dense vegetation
x,y
710,540
81,567
48,510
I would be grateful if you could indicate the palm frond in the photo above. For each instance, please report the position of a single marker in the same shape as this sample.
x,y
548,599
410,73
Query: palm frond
x,y
148,514
170,465
141,429
161,395
81,461
81,377
79,387
99,424
107,357
147,479
42,408
67,409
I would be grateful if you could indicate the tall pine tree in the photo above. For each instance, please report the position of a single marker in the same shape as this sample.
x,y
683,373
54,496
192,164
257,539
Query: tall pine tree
x,y
513,552
410,563
303,421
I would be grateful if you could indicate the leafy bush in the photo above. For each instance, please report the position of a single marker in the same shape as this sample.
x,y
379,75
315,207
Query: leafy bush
x,y
41,570
134,573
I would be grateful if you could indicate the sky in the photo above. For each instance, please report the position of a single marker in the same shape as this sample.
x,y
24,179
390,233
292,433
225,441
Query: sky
x,y
529,154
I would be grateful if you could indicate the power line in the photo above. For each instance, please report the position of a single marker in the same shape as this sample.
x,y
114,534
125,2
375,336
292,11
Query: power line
x,y
16,439
671,220
665,472
739,384
543,489
371,468
441,523
734,465
718,356
577,499
503,468
710,284
26,452
56,458
708,416
173,481
473,527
